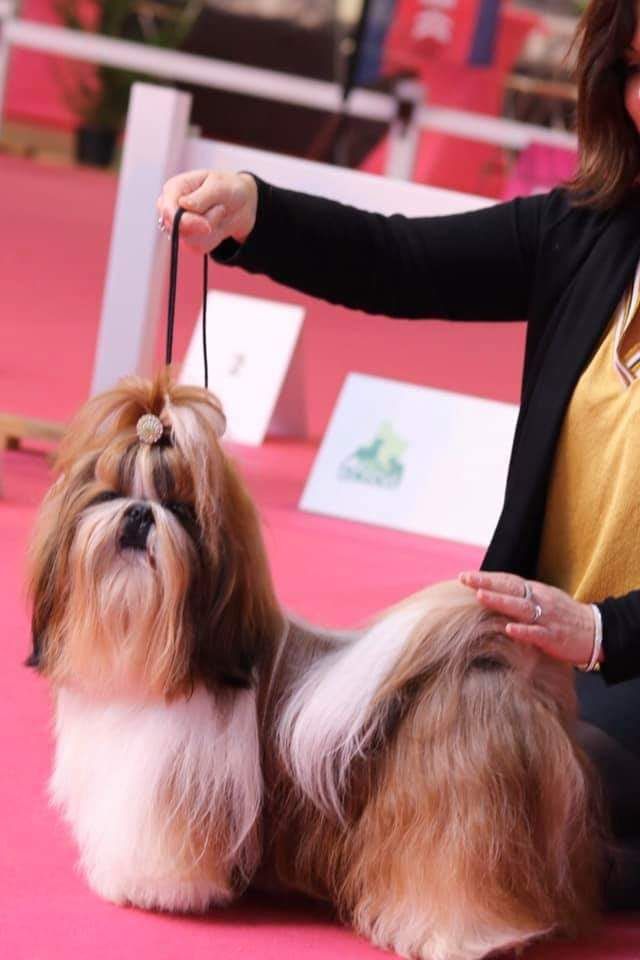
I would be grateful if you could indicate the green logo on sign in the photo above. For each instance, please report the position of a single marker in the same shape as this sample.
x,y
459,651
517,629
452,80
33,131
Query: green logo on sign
x,y
379,463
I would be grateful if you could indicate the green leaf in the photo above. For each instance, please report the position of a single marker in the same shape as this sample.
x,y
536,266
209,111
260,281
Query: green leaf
x,y
106,102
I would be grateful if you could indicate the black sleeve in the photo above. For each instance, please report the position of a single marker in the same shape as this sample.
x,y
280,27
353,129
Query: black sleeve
x,y
621,637
470,266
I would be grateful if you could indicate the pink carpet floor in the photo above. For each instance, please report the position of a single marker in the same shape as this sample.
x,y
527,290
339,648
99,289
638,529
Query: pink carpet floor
x,y
53,250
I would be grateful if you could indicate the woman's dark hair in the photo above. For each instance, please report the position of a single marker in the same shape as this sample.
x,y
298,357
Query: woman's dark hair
x,y
609,144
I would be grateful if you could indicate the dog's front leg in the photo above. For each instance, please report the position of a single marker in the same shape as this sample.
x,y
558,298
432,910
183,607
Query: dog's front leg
x,y
140,787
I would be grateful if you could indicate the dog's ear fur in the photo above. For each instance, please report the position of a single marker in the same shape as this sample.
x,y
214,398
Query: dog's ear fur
x,y
42,609
35,657
233,605
226,648
42,591
46,574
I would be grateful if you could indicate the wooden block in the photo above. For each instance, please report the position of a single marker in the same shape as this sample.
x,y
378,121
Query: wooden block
x,y
14,429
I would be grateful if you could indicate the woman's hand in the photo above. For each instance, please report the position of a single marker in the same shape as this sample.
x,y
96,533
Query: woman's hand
x,y
539,614
219,205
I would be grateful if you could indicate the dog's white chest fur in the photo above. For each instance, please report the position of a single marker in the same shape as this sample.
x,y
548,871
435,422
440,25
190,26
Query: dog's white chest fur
x,y
163,798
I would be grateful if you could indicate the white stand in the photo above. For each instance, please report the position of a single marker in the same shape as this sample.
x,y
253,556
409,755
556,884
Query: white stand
x,y
289,419
154,139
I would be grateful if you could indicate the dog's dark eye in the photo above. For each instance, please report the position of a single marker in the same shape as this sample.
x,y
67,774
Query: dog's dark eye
x,y
487,664
183,512
104,497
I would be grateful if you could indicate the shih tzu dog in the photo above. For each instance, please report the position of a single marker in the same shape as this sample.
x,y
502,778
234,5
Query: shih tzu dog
x,y
422,774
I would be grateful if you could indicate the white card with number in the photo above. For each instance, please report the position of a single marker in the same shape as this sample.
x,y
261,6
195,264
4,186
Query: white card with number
x,y
254,347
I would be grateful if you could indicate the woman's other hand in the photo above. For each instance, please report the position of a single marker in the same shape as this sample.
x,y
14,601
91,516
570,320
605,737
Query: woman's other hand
x,y
539,614
218,205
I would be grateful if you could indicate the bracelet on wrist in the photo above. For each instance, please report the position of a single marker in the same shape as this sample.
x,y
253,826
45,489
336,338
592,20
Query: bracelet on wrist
x,y
594,661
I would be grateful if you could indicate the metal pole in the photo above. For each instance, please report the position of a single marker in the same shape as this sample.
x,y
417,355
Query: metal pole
x,y
404,133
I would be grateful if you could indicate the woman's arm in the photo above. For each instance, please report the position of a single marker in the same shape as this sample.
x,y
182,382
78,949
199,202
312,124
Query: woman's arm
x,y
470,266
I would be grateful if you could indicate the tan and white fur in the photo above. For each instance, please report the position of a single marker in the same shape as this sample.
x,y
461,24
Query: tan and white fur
x,y
421,774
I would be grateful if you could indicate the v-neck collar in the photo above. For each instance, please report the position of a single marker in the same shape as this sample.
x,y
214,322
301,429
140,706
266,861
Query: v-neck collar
x,y
626,312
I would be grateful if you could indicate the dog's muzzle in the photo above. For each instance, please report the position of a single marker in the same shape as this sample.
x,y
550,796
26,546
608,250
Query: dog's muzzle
x,y
138,520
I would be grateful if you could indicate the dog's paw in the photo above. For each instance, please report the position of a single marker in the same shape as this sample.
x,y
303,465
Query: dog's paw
x,y
166,894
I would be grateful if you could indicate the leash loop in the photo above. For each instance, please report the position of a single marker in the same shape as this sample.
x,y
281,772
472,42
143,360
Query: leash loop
x,y
173,286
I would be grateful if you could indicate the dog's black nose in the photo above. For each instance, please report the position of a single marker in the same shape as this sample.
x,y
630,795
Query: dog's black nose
x,y
138,520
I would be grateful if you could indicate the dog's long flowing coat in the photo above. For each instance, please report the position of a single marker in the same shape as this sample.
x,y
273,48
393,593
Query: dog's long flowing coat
x,y
421,774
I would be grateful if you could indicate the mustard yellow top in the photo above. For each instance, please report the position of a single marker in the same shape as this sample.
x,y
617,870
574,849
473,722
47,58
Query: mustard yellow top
x,y
591,535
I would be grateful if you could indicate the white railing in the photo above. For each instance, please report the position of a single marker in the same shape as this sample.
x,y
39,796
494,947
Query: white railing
x,y
271,85
497,130
190,68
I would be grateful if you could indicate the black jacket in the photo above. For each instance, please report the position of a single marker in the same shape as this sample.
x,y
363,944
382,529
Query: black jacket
x,y
560,267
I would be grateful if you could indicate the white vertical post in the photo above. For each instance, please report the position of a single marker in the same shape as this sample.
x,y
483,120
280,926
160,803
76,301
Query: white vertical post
x,y
7,10
154,143
404,133
5,50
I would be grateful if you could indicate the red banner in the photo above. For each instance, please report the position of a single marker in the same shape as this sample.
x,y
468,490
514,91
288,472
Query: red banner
x,y
433,30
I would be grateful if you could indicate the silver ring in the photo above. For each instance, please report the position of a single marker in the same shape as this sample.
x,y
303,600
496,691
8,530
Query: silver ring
x,y
537,612
161,224
528,592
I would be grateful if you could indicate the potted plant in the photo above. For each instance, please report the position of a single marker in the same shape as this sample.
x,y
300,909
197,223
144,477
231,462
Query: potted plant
x,y
98,95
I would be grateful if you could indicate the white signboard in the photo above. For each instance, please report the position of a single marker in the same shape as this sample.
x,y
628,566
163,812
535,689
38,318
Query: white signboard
x,y
413,458
254,348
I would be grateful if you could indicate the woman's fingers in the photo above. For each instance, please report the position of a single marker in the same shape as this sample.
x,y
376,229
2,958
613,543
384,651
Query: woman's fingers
x,y
213,191
215,217
568,645
508,583
201,232
193,225
520,608
202,225
541,637
174,188
529,633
